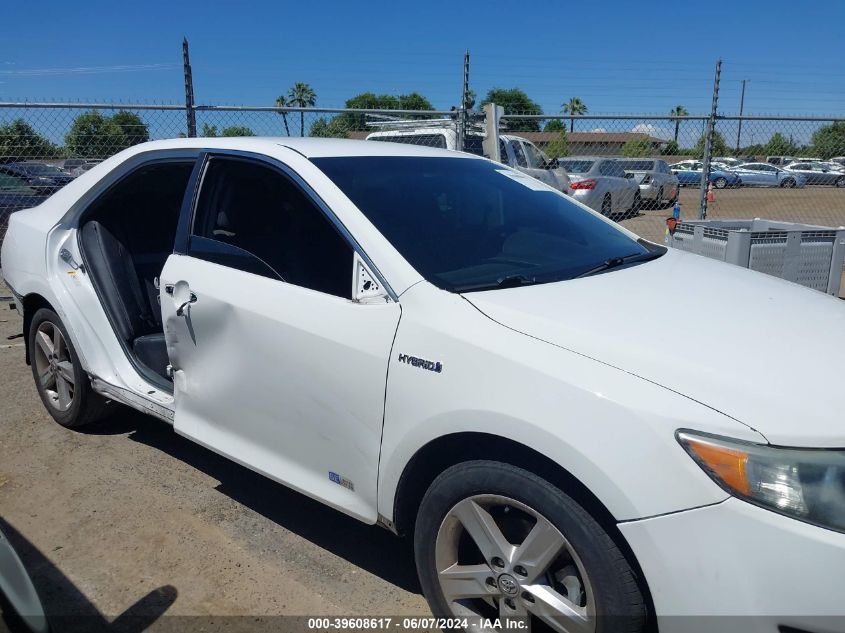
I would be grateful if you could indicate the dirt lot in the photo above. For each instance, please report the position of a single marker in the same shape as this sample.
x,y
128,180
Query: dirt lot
x,y
130,518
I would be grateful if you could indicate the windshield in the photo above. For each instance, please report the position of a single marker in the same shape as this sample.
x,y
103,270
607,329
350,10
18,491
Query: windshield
x,y
577,166
468,224
638,165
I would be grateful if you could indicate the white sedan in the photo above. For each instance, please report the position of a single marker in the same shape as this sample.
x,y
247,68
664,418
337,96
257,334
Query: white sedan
x,y
442,345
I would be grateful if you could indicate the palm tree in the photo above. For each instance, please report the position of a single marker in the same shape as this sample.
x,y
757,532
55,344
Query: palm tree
x,y
573,108
676,112
302,96
282,102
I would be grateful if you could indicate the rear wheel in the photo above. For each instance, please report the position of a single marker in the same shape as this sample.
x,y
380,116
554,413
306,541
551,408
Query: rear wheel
x,y
788,183
496,541
606,205
658,201
636,205
61,382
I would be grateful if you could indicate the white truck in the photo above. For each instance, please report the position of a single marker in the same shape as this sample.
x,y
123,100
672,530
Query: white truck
x,y
514,151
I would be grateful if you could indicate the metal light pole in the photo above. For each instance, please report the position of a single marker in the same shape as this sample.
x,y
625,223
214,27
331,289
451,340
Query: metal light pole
x,y
189,90
462,113
739,124
708,144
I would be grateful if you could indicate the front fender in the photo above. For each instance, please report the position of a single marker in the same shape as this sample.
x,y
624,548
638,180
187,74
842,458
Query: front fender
x,y
612,431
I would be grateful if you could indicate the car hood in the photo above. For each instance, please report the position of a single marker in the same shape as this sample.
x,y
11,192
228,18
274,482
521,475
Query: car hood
x,y
761,350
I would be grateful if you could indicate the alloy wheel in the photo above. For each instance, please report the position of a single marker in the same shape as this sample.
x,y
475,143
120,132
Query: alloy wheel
x,y
54,368
498,558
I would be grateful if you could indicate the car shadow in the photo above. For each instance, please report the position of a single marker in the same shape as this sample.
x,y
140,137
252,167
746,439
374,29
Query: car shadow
x,y
67,608
369,547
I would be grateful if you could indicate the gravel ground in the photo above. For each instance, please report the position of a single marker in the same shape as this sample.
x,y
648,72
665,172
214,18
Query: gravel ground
x,y
129,511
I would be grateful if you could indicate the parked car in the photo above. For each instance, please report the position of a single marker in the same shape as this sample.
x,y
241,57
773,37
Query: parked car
x,y
528,158
817,173
78,166
838,159
15,193
728,161
430,341
42,177
779,160
768,175
658,185
602,184
515,151
689,175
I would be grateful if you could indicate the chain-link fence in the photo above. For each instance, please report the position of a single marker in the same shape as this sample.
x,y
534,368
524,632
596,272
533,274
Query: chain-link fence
x,y
781,168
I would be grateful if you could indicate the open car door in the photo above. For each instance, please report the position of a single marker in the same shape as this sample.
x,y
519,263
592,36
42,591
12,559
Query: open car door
x,y
274,364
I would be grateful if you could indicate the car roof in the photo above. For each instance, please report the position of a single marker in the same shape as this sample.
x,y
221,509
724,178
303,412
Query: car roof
x,y
308,147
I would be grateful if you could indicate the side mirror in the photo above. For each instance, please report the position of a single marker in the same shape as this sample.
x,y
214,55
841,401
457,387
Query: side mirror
x,y
552,164
629,175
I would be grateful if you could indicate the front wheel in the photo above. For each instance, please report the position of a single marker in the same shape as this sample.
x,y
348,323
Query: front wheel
x,y
61,381
496,541
788,183
720,183
840,182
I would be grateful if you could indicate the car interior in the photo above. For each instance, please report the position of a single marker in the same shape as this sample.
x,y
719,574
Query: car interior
x,y
126,236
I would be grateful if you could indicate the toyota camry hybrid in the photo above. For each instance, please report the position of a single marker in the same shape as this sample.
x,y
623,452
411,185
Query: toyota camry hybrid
x,y
439,344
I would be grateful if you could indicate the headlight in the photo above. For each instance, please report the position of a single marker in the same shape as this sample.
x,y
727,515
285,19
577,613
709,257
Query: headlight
x,y
806,484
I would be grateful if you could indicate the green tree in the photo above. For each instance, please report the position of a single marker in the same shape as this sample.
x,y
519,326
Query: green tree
x,y
671,148
209,131
349,121
779,145
515,101
415,101
19,140
327,128
718,148
829,140
638,146
675,112
302,96
559,146
555,125
282,102
134,129
93,135
573,108
237,130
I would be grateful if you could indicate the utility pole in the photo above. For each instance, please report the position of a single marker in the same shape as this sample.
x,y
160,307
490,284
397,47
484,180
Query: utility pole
x,y
462,113
739,124
708,144
189,90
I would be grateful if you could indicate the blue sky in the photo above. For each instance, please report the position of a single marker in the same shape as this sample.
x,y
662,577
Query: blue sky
x,y
618,56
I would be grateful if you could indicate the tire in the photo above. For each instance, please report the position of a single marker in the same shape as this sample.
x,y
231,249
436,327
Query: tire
x,y
840,182
720,183
671,203
585,567
636,205
606,205
61,381
788,183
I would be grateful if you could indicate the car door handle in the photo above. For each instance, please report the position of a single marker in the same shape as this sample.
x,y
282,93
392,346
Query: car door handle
x,y
192,298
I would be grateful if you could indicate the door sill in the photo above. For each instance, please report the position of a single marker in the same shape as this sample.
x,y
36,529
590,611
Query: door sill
x,y
162,410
